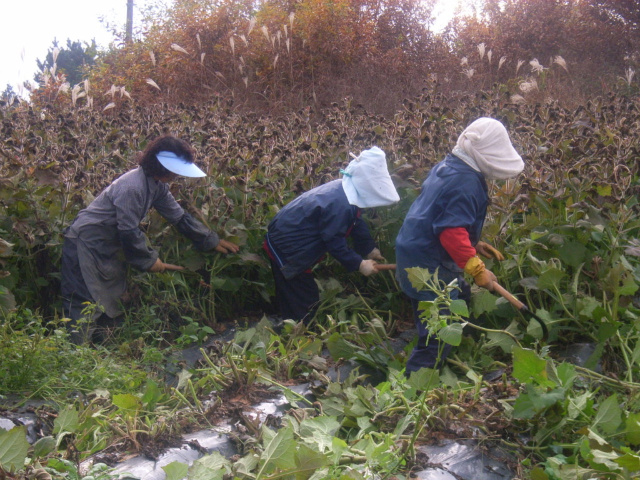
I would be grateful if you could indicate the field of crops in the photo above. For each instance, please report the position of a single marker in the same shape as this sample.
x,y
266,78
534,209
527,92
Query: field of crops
x,y
568,225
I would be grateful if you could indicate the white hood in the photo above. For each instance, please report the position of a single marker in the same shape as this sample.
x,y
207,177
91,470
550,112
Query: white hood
x,y
487,143
366,180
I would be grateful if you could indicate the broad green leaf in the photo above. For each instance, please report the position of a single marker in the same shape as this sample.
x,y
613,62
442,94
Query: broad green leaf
x,y
61,465
419,277
279,451
530,283
332,406
13,448
578,405
126,401
402,425
365,425
339,347
67,421
307,462
596,439
459,307
209,467
604,190
502,340
424,379
607,330
573,253
226,284
632,428
551,278
319,431
246,464
483,302
534,328
566,373
587,305
607,458
533,402
528,367
267,435
538,474
338,447
629,461
152,395
609,415
176,470
635,356
451,334
183,378
44,446
620,280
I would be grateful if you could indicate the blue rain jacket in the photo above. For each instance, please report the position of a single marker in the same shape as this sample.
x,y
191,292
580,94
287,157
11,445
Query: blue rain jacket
x,y
453,195
317,222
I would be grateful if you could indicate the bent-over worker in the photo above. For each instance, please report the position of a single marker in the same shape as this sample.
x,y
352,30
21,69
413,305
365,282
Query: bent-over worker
x,y
319,222
106,236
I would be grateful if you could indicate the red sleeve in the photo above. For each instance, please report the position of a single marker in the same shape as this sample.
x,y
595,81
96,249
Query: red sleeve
x,y
457,244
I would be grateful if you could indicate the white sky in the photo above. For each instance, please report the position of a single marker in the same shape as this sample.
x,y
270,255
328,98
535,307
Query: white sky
x,y
30,26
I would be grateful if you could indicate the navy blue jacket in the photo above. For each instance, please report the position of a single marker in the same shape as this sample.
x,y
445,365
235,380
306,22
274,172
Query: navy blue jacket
x,y
453,195
315,223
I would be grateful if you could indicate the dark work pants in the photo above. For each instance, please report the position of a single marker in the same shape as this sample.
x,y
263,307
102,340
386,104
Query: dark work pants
x,y
74,296
297,297
74,293
425,353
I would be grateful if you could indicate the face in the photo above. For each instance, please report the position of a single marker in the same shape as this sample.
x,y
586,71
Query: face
x,y
170,177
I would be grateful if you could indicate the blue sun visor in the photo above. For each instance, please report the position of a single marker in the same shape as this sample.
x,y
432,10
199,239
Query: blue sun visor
x,y
179,165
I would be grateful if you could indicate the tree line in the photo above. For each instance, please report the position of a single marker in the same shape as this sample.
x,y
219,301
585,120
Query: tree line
x,y
272,55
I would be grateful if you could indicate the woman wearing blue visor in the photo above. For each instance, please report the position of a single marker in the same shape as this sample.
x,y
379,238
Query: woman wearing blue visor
x,y
106,235
319,222
443,226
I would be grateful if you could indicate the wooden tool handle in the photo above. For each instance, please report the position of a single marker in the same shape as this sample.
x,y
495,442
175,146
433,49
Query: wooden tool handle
x,y
385,266
512,300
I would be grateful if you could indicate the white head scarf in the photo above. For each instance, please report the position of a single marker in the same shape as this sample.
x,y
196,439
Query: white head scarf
x,y
486,147
366,180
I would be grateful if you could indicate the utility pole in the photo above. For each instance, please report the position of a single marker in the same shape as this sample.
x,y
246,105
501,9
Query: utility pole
x,y
129,28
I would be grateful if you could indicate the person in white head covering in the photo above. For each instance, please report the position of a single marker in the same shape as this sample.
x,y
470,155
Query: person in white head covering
x,y
443,226
106,236
319,222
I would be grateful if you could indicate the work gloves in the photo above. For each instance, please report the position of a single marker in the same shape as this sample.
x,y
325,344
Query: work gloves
x,y
160,267
481,276
376,255
488,251
368,267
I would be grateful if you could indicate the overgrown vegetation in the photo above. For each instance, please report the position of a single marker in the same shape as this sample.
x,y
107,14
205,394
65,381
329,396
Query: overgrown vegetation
x,y
569,227
272,56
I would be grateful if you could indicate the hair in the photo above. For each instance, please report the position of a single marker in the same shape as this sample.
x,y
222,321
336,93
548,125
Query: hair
x,y
166,143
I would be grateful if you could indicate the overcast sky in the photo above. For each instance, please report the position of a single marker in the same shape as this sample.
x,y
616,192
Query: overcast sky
x,y
30,26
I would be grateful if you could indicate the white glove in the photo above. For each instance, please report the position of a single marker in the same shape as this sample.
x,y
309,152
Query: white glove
x,y
376,255
367,267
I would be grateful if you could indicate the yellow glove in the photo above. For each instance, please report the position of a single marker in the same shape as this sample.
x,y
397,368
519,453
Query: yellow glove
x,y
481,276
488,251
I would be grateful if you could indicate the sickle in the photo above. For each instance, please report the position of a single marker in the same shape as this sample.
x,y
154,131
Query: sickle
x,y
521,307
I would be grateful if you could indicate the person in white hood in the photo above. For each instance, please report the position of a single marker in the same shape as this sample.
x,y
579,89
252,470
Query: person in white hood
x,y
319,222
443,226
